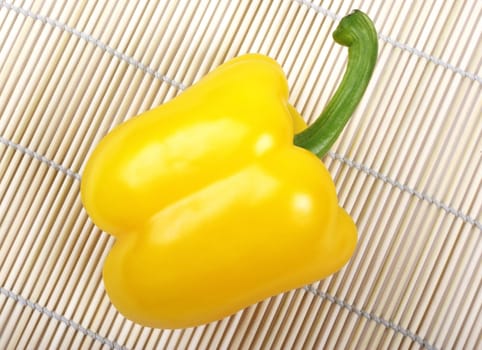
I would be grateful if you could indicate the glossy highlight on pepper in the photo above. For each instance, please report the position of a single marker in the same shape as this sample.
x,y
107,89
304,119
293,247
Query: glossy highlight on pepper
x,y
213,206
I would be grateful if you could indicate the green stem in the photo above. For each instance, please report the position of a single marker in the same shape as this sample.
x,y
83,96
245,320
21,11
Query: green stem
x,y
357,32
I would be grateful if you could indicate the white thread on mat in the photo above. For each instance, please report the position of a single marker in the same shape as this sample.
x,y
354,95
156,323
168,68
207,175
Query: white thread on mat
x,y
113,345
431,58
320,9
397,44
405,188
52,314
41,158
87,37
360,167
371,317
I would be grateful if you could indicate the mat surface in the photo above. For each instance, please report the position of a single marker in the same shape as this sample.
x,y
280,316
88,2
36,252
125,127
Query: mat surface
x,y
407,167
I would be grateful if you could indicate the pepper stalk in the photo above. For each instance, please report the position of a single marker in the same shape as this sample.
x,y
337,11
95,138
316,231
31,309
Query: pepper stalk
x,y
357,32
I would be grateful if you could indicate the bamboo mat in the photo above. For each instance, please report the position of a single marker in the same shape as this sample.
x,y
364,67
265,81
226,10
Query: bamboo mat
x,y
407,167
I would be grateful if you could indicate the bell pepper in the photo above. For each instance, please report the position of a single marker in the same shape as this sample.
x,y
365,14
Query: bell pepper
x,y
218,198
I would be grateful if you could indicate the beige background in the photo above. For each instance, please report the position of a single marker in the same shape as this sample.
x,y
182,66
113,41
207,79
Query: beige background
x,y
407,167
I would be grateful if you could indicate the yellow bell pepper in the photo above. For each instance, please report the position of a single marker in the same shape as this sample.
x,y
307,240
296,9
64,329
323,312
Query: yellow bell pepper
x,y
212,205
